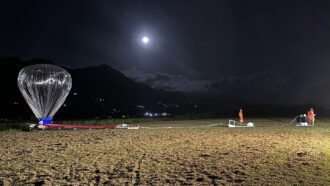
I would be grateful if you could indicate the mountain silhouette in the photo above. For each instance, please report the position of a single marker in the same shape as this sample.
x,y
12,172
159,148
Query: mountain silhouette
x,y
101,91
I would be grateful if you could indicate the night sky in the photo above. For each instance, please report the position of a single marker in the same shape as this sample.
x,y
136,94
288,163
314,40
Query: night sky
x,y
280,48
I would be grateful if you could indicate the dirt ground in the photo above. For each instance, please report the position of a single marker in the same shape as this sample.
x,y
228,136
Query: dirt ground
x,y
270,153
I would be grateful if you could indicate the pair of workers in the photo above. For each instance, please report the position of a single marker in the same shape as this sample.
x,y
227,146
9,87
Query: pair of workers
x,y
310,116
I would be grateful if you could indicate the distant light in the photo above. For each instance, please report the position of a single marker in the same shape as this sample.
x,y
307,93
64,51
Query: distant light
x,y
148,114
75,93
145,40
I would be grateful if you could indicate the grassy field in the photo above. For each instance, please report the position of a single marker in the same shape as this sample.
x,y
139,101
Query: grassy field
x,y
271,153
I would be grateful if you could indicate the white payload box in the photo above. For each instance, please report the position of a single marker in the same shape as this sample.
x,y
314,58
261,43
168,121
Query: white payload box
x,y
233,123
122,126
42,127
133,126
126,126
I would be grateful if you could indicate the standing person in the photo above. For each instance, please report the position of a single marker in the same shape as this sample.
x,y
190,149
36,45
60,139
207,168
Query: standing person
x,y
311,117
240,114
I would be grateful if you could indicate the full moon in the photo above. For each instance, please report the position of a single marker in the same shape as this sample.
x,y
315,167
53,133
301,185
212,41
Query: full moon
x,y
145,40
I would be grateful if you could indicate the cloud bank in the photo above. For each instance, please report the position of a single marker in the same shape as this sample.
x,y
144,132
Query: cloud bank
x,y
266,87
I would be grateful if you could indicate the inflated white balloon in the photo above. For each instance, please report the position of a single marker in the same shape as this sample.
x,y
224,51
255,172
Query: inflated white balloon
x,y
45,88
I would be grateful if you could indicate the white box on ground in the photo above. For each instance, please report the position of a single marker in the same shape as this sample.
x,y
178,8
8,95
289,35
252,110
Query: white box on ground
x,y
133,127
303,124
122,126
233,123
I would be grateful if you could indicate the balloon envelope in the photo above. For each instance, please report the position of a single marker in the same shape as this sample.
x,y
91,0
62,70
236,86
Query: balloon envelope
x,y
45,88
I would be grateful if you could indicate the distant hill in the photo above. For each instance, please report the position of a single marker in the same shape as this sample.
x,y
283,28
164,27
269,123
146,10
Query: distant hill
x,y
104,90
101,91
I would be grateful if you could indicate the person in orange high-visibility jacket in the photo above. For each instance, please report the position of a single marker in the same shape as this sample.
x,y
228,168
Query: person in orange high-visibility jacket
x,y
240,114
311,117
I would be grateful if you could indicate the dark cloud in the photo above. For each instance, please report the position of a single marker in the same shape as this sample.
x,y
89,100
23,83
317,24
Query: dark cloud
x,y
266,87
263,82
165,81
260,88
